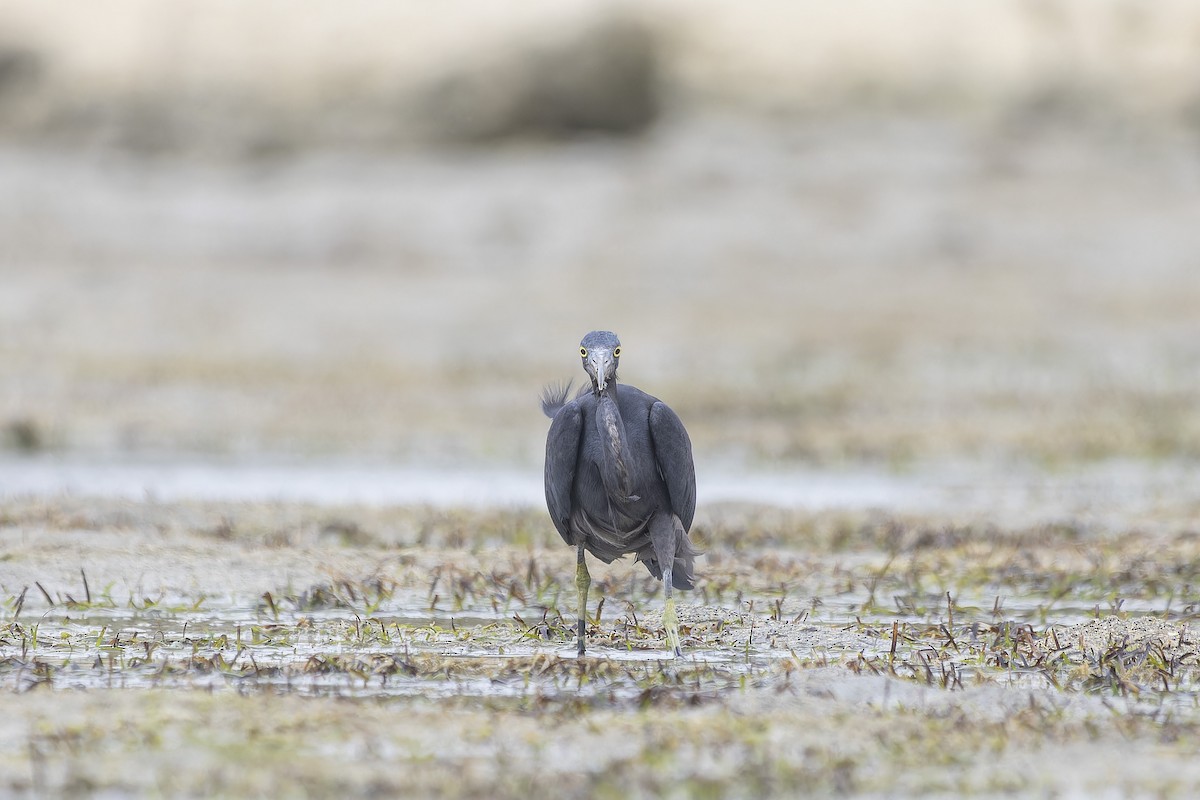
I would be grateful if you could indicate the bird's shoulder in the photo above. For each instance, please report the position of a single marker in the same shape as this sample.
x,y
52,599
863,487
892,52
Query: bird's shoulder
x,y
631,397
632,402
636,404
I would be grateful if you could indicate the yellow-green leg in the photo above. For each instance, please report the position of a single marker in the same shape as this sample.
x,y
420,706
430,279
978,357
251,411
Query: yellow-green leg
x,y
670,618
582,581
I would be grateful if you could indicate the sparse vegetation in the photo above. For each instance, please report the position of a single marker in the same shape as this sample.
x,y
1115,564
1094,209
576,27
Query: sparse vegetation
x,y
840,653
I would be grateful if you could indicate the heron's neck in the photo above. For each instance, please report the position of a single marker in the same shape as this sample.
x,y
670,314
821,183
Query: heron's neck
x,y
609,391
614,470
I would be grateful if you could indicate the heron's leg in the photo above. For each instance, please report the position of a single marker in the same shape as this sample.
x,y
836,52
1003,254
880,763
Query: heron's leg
x,y
670,618
582,581
665,538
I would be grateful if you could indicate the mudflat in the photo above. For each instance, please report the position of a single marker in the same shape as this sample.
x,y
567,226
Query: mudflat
x,y
289,649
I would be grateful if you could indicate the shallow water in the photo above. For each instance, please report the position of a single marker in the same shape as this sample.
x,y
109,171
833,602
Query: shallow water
x,y
335,652
1112,487
401,643
406,649
343,482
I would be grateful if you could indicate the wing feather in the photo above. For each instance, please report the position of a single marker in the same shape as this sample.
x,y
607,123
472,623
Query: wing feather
x,y
562,453
673,453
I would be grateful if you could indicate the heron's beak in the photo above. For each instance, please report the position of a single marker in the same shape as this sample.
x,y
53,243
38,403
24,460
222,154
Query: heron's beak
x,y
601,361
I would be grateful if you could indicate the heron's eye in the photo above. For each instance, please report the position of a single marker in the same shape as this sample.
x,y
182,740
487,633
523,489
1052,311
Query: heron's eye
x,y
617,353
583,352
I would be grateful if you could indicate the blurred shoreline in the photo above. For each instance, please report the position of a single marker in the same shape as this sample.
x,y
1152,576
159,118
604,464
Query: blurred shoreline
x,y
915,234
264,79
828,294
1103,497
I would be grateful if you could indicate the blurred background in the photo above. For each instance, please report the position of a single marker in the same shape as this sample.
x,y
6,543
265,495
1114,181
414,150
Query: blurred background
x,y
885,234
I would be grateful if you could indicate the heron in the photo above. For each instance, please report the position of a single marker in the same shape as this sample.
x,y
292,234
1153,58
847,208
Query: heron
x,y
620,478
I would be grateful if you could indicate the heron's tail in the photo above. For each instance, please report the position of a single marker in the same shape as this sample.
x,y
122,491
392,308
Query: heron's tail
x,y
669,533
554,397
683,573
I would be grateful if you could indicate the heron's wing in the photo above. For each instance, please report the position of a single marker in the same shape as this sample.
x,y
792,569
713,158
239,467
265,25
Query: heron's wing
x,y
673,453
562,452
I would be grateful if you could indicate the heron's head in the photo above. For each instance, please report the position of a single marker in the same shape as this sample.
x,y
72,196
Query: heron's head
x,y
600,351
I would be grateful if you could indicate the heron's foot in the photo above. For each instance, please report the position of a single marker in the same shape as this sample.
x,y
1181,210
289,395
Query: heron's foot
x,y
671,623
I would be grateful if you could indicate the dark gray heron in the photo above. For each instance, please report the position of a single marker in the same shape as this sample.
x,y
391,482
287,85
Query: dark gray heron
x,y
620,478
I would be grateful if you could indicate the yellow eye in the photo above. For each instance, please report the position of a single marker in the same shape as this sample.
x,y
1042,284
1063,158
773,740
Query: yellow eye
x,y
583,352
617,353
